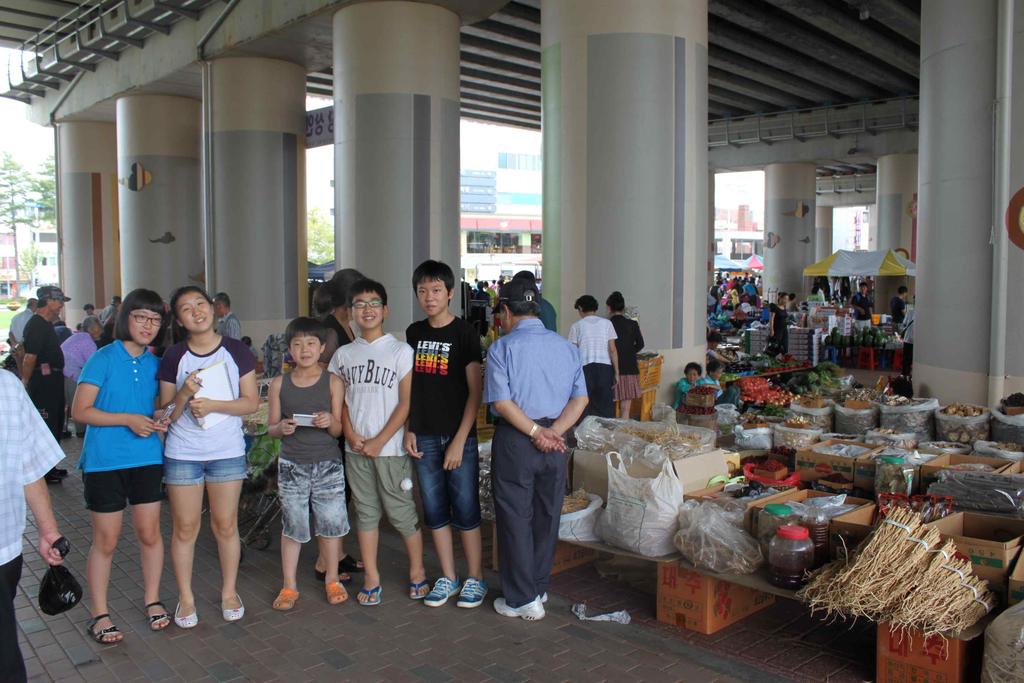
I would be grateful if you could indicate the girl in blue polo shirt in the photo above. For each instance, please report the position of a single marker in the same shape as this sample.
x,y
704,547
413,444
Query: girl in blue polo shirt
x,y
122,459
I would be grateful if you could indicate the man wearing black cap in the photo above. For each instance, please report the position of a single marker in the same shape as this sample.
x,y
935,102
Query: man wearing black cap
x,y
535,386
546,314
42,369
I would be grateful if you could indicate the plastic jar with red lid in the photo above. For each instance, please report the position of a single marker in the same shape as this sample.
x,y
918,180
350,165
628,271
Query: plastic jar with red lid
x,y
790,556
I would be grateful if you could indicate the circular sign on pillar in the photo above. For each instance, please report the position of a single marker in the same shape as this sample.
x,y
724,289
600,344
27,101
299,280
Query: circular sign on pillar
x,y
1015,218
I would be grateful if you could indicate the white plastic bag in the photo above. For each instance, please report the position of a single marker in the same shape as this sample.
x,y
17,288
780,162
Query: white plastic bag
x,y
582,525
991,448
1004,648
728,416
877,438
709,540
961,429
916,416
795,438
758,438
642,513
1007,428
820,418
855,420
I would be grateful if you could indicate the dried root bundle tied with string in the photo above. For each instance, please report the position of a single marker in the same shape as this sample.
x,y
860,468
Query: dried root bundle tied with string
x,y
904,574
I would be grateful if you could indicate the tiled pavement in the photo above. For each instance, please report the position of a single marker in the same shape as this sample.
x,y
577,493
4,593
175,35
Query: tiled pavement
x,y
402,640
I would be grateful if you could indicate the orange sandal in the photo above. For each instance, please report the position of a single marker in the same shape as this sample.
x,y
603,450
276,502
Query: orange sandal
x,y
336,593
285,599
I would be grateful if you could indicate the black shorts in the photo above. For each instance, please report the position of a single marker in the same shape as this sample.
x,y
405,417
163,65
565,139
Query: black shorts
x,y
110,491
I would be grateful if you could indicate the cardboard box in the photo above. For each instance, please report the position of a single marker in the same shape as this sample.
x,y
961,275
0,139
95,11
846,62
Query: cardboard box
x,y
732,459
846,531
813,465
1015,588
909,657
701,603
696,471
864,477
930,470
590,470
992,543
792,495
567,555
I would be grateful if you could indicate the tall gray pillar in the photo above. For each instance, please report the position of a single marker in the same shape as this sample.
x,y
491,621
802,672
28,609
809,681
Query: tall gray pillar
x,y
396,154
896,191
625,164
822,232
89,240
789,226
159,194
259,197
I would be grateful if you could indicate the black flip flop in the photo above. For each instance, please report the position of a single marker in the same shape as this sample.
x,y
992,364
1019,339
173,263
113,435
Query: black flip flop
x,y
99,636
346,565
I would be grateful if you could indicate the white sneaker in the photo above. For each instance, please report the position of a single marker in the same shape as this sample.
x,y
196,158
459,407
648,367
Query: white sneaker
x,y
543,598
531,611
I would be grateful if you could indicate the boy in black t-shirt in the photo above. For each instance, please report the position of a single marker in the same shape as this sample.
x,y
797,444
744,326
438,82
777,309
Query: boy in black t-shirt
x,y
441,434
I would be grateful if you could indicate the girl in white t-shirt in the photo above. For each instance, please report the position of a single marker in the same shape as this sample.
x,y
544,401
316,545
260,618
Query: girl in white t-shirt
x,y
205,447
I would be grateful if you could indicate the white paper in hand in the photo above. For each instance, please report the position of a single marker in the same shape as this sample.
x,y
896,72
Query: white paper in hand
x,y
216,386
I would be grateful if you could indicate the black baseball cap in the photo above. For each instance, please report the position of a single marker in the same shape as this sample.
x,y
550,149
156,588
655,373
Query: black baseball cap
x,y
51,292
518,291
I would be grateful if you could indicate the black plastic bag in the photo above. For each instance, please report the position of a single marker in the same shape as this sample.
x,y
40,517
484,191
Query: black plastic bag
x,y
59,591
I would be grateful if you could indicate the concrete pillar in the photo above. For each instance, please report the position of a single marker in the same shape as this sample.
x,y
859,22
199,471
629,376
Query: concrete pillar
x,y
789,226
712,247
89,242
822,232
625,164
159,195
396,154
259,191
893,222
958,85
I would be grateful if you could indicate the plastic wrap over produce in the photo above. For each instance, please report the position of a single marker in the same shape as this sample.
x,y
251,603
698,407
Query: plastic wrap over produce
x,y
904,415
855,420
486,494
1000,449
712,538
1004,648
650,442
1007,428
982,491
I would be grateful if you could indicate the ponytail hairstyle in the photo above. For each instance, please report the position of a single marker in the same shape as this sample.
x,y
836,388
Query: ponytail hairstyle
x,y
179,333
616,302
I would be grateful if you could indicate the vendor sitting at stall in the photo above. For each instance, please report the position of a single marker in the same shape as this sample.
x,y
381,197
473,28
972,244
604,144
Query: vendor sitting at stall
x,y
691,377
729,395
714,339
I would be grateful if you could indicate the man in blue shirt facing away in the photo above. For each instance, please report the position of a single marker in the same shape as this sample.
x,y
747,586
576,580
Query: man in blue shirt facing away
x,y
535,386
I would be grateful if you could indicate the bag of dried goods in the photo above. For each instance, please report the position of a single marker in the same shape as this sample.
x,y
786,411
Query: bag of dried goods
x,y
1004,648
579,524
796,434
944,447
728,417
1007,427
962,423
889,437
820,417
642,513
908,415
1000,449
757,438
709,539
855,420
838,436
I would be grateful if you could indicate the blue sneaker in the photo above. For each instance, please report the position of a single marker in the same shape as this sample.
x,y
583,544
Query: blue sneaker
x,y
472,595
443,589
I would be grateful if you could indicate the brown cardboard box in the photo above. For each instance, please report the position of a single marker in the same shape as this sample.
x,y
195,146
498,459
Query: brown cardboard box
x,y
813,465
792,495
696,471
590,470
846,531
991,542
567,555
909,657
702,603
864,477
1015,590
930,470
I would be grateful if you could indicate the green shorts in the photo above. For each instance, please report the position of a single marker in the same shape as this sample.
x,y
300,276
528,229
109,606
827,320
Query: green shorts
x,y
376,485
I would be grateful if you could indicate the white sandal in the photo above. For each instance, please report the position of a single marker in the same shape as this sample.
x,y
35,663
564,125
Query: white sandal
x,y
190,621
234,613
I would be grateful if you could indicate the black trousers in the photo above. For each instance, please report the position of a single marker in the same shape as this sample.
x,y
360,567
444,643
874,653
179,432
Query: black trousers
x,y
528,490
47,394
600,384
12,666
908,359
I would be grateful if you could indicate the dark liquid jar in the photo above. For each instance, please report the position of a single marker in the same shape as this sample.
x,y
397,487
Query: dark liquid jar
x,y
790,557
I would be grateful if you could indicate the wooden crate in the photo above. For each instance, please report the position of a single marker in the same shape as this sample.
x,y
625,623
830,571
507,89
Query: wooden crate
x,y
650,372
641,409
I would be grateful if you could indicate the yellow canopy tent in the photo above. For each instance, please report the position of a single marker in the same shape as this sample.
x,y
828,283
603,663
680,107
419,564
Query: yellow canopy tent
x,y
845,263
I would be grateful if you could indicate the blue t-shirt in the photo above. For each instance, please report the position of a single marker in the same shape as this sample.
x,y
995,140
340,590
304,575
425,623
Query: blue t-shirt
x,y
127,385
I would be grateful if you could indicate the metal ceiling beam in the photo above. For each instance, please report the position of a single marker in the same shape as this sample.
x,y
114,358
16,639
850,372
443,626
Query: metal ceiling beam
x,y
498,50
500,120
893,14
723,34
500,66
506,33
853,32
741,102
487,109
526,108
494,91
519,15
754,18
752,88
737,64
507,82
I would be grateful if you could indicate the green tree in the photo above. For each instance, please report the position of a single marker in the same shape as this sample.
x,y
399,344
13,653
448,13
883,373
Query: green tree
x,y
15,195
43,186
28,259
319,237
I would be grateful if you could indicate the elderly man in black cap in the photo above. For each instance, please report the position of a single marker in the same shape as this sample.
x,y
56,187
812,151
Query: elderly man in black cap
x,y
42,368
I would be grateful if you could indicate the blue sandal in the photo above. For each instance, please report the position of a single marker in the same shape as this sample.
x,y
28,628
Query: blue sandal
x,y
369,598
418,591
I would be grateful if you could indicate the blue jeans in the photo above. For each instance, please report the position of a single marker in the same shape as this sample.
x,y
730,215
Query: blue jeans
x,y
191,472
449,496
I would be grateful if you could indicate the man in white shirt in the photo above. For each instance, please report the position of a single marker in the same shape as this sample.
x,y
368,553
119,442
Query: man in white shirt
x,y
228,324
595,337
18,322
27,452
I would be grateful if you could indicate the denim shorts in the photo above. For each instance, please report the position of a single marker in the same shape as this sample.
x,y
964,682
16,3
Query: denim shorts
x,y
320,486
449,496
190,472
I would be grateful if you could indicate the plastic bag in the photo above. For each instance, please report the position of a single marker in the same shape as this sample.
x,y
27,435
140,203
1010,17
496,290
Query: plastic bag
x,y
792,437
485,492
877,438
582,525
1009,428
820,418
580,610
1004,648
916,416
728,416
962,429
982,491
944,447
855,420
641,515
756,439
709,540
59,591
837,436
992,448
653,443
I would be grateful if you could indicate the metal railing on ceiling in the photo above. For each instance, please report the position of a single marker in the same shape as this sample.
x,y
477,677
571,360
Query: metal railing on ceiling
x,y
846,184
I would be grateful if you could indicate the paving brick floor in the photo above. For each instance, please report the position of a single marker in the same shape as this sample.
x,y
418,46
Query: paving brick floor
x,y
402,640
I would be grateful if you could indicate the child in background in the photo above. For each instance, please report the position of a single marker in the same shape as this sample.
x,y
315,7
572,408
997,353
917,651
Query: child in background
x,y
730,395
595,337
377,371
691,376
310,471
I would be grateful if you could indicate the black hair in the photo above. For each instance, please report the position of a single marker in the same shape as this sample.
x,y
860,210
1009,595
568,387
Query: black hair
x,y
782,294
116,299
178,332
616,302
340,285
902,290
222,298
714,337
693,366
365,286
323,300
139,300
863,284
247,340
88,306
586,303
521,308
305,326
431,270
526,275
714,366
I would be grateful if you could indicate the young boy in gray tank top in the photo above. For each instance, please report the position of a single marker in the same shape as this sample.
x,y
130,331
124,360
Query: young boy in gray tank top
x,y
310,471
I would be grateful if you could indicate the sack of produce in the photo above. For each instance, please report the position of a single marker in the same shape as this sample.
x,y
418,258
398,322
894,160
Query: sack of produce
x,y
855,420
652,442
728,417
710,539
944,447
580,524
839,436
819,417
962,423
889,437
1004,640
1007,427
757,438
642,513
795,434
1000,449
904,415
